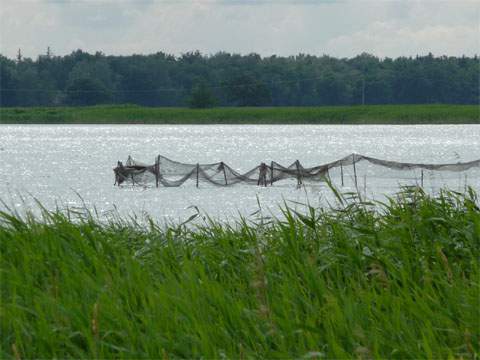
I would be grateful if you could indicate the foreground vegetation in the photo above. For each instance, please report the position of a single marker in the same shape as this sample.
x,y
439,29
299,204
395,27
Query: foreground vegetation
x,y
380,114
398,280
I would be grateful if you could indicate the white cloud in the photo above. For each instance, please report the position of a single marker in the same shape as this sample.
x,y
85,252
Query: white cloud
x,y
386,39
345,28
442,28
24,24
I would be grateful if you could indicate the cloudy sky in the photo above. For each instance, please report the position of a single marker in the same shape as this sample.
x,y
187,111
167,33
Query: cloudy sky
x,y
337,28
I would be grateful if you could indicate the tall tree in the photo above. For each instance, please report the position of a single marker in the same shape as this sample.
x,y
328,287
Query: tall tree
x,y
9,87
237,80
87,91
202,97
247,90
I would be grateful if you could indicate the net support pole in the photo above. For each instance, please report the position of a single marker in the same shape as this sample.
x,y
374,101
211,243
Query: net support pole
x,y
271,173
421,178
157,170
198,168
341,172
299,173
224,174
259,175
262,175
355,171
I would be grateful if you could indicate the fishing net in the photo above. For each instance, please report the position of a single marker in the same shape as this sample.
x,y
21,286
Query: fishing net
x,y
169,173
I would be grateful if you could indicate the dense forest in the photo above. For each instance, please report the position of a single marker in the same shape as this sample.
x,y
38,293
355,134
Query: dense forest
x,y
225,79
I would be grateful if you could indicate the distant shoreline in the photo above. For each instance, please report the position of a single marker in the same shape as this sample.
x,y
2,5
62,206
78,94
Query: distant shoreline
x,y
132,114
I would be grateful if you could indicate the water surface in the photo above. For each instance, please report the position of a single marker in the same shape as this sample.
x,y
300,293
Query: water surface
x,y
57,163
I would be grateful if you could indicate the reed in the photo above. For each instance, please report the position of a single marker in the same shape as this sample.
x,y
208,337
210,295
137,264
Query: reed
x,y
358,280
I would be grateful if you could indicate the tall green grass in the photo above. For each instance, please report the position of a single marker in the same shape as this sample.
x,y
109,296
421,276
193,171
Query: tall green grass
x,y
130,114
394,280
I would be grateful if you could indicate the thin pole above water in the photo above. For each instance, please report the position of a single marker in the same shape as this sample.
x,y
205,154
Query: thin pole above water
x,y
355,171
198,169
157,170
224,173
341,172
271,173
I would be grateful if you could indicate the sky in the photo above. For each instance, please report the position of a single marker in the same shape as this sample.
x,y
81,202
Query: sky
x,y
345,28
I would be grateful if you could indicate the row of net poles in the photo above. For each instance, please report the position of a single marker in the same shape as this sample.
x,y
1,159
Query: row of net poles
x,y
365,177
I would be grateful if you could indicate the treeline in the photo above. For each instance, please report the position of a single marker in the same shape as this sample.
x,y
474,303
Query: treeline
x,y
227,79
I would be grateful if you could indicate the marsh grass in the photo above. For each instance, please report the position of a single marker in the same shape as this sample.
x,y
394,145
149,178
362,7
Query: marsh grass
x,y
131,114
357,280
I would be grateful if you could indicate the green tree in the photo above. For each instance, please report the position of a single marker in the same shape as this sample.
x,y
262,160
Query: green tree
x,y
236,80
332,89
247,90
9,95
86,91
202,97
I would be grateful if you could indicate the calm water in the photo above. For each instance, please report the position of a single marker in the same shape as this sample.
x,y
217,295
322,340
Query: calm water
x,y
56,163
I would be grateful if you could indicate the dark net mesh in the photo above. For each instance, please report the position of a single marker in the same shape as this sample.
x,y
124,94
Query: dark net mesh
x,y
168,173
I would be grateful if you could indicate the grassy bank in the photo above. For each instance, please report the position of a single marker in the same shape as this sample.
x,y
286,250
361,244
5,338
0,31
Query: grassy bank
x,y
400,281
378,114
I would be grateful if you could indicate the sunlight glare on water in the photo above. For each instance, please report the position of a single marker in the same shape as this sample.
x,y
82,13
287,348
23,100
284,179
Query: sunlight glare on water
x,y
57,163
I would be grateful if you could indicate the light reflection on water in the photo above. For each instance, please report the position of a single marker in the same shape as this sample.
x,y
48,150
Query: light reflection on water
x,y
53,163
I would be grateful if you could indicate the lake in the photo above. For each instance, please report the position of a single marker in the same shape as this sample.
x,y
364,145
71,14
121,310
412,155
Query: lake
x,y
71,166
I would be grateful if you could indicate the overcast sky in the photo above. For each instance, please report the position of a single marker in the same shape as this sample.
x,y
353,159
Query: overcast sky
x,y
337,28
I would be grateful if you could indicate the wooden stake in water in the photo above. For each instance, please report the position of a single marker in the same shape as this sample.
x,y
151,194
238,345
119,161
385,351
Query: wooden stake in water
x,y
341,172
271,173
355,171
262,174
198,169
157,170
421,179
299,173
224,173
